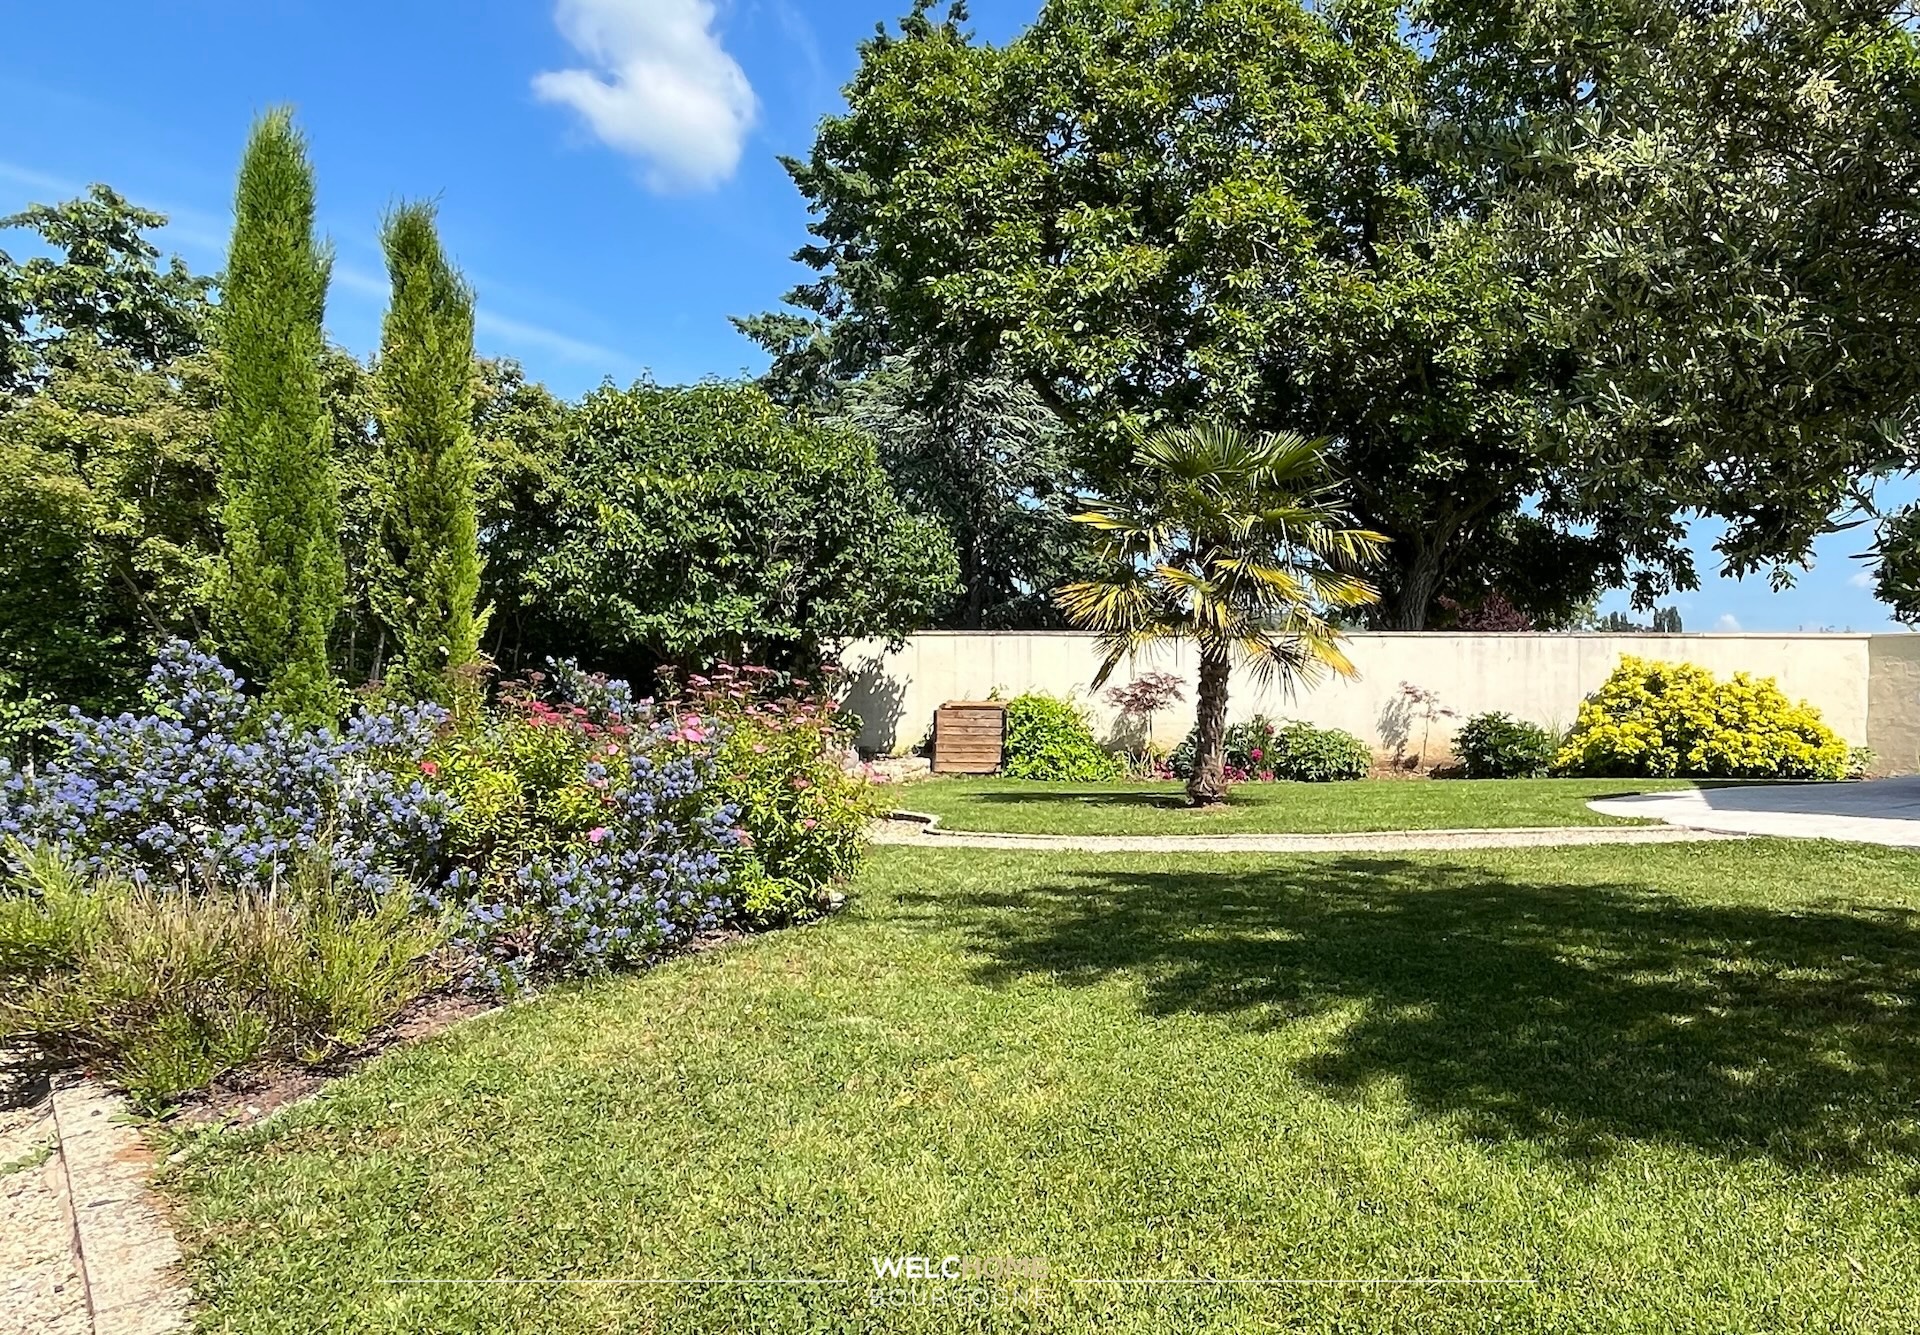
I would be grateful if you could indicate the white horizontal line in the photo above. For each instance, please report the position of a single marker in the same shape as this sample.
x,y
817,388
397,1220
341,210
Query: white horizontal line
x,y
1418,1282
686,1282
1327,1282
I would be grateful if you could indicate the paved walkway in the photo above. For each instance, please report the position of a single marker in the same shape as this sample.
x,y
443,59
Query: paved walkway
x,y
920,834
1880,811
84,1246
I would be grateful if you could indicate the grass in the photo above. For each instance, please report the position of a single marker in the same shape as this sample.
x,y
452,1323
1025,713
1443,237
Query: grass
x,y
1667,1089
33,1158
1018,806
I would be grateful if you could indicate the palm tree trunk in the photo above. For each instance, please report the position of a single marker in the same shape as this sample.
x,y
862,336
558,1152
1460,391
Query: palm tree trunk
x,y
1208,783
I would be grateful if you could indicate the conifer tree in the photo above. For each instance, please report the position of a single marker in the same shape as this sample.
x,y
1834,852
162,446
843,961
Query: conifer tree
x,y
281,586
426,578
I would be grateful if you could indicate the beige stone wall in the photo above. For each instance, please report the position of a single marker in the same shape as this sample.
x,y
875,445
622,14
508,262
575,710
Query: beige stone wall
x,y
1867,686
1893,703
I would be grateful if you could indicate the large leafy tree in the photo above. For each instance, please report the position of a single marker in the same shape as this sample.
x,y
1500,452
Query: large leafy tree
x,y
1714,202
1237,544
426,580
1542,296
107,399
989,459
106,482
102,288
708,523
1161,208
283,579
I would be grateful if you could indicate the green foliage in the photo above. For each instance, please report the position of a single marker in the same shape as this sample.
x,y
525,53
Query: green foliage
x,y
518,431
1719,266
1897,581
1499,746
520,786
1543,292
1163,210
1283,751
706,524
165,991
1675,719
985,456
106,455
1048,738
782,763
1305,754
283,578
426,563
1238,543
103,290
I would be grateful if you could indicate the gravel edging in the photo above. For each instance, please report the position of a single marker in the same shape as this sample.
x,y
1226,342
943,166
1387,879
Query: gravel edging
x,y
920,830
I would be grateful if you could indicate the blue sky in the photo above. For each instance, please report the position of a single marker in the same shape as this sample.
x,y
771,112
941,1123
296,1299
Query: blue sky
x,y
605,168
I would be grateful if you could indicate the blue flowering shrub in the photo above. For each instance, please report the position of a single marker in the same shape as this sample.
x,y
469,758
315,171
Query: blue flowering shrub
x,y
586,832
569,829
197,793
197,885
594,830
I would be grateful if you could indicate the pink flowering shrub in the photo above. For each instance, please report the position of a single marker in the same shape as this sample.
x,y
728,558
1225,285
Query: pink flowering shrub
x,y
780,762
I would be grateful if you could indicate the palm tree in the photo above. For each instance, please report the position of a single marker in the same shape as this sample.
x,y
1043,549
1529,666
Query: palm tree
x,y
1238,543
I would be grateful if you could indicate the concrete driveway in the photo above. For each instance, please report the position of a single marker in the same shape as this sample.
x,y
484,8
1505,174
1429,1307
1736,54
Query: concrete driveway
x,y
1879,811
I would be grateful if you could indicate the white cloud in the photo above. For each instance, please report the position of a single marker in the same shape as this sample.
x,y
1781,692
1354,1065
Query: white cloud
x,y
1727,622
552,340
1861,579
489,325
660,87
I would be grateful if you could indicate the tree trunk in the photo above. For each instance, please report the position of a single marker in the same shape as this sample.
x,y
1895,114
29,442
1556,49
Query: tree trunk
x,y
1208,783
1412,602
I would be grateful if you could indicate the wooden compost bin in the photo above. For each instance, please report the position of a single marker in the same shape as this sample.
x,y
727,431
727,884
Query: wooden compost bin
x,y
969,736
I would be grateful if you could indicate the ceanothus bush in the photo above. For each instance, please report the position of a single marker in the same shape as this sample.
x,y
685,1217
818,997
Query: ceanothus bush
x,y
202,792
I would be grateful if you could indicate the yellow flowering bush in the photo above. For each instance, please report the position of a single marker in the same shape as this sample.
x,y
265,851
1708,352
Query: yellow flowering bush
x,y
1662,720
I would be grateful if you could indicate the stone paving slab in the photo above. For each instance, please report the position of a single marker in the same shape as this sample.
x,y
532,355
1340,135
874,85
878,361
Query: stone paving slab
x,y
124,1245
1879,811
925,832
41,1291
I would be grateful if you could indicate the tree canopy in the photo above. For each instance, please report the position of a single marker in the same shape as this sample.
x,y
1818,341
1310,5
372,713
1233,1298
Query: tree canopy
x,y
708,523
1461,240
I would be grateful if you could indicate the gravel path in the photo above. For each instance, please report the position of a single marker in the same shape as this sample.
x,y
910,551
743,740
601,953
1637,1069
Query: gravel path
x,y
84,1246
924,832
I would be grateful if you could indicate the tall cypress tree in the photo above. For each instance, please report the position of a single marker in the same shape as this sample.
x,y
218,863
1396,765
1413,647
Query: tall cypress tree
x,y
427,566
281,588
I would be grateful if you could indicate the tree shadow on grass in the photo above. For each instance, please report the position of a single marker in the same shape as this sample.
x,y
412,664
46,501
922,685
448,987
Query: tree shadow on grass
x,y
1575,1016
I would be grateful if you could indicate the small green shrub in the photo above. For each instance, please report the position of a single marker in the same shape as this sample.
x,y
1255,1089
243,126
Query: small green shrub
x,y
1269,751
1049,738
1306,754
1662,720
166,991
1499,746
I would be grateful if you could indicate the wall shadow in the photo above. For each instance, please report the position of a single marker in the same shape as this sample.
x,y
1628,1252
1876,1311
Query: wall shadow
x,y
1577,1017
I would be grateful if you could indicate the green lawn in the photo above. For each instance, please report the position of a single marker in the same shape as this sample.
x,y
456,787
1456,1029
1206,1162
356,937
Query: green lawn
x,y
1024,806
1665,1089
